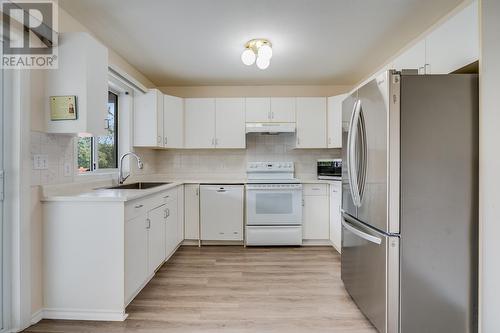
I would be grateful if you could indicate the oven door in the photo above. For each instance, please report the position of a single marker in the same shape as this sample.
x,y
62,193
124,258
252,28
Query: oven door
x,y
274,205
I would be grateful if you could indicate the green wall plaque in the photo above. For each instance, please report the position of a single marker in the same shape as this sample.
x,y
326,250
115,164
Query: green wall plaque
x,y
63,108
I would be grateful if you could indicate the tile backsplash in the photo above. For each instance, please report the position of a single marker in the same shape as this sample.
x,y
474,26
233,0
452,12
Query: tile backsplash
x,y
231,163
60,150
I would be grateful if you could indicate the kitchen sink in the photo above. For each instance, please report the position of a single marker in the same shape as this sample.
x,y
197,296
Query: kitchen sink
x,y
136,186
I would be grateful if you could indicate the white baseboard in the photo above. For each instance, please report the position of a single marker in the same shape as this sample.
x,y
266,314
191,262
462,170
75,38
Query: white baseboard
x,y
316,242
190,242
36,317
82,314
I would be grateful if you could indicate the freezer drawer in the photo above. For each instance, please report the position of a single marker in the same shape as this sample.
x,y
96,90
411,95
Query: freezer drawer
x,y
370,272
273,235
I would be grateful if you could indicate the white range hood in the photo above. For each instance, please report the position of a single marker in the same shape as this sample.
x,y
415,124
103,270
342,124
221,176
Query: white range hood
x,y
270,127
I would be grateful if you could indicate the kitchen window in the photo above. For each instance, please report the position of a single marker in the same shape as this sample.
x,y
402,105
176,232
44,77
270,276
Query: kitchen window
x,y
101,152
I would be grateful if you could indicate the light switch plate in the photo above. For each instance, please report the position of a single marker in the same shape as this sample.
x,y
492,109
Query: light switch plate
x,y
67,169
40,162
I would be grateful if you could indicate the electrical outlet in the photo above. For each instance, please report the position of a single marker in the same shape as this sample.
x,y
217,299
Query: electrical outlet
x,y
40,162
67,169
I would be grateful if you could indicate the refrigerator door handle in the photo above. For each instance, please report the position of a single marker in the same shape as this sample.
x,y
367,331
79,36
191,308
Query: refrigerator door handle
x,y
361,234
352,167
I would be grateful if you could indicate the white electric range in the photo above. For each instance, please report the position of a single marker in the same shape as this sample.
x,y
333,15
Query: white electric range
x,y
273,205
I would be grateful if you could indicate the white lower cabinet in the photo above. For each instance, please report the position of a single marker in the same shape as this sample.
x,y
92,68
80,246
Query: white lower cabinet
x,y
316,224
156,232
180,214
171,227
192,211
221,212
335,215
136,255
151,236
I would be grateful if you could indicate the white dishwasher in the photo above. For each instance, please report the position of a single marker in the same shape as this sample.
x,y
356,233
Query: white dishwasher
x,y
221,212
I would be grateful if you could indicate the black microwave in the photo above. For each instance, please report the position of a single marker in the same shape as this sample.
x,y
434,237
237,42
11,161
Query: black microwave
x,y
330,169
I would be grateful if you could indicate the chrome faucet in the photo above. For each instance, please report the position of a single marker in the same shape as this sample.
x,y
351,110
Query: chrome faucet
x,y
122,179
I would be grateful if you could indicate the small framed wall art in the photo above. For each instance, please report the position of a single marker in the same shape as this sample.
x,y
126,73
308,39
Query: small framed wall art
x,y
63,108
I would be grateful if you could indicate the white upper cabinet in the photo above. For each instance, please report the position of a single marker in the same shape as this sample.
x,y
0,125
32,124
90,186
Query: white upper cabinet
x,y
413,58
148,119
82,72
283,109
173,122
455,43
335,121
311,122
230,123
258,110
274,109
199,122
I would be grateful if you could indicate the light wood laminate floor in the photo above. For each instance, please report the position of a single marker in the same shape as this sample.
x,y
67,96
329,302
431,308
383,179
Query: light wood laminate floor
x,y
238,290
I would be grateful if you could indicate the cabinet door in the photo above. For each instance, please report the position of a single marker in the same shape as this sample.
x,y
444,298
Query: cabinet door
x,y
316,217
173,122
171,227
156,231
454,44
311,122
258,110
283,109
413,58
335,216
192,211
230,123
136,254
148,119
335,121
200,122
180,214
221,212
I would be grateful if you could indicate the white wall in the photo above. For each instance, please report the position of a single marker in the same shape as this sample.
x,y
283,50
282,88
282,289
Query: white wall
x,y
489,167
193,164
255,91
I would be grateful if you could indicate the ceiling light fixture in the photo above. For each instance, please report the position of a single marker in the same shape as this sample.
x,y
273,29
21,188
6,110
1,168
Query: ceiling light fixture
x,y
257,51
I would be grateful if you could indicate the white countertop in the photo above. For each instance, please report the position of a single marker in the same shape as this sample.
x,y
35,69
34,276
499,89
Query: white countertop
x,y
99,193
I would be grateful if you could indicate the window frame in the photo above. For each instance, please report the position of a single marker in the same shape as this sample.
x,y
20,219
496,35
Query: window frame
x,y
94,143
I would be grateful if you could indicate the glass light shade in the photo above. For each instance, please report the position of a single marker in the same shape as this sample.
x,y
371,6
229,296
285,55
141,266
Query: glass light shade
x,y
248,57
263,62
265,51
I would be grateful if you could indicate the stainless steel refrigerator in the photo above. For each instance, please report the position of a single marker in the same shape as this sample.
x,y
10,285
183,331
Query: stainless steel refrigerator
x,y
410,202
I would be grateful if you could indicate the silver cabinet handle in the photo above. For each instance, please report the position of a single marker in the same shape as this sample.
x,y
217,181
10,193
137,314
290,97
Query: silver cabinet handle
x,y
165,141
158,139
329,141
197,191
138,206
166,213
362,234
148,226
166,197
298,141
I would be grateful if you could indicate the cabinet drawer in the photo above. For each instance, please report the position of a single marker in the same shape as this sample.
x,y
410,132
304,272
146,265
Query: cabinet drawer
x,y
142,206
315,189
169,196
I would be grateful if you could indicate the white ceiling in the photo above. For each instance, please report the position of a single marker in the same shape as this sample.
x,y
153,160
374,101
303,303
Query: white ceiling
x,y
199,42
